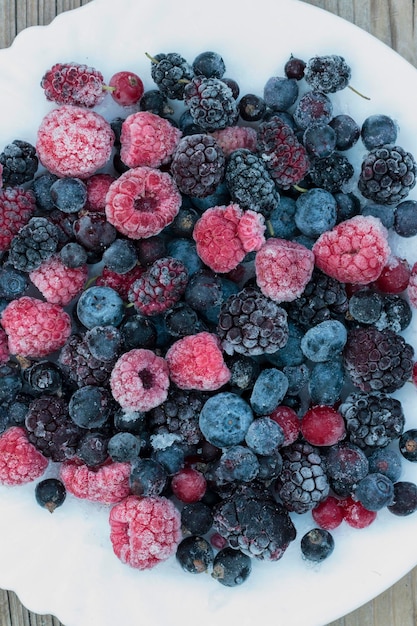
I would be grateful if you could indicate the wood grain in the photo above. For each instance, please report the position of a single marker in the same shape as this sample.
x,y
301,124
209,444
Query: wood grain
x,y
394,23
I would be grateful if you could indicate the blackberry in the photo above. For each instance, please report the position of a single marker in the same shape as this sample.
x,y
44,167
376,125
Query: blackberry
x,y
253,522
19,162
171,73
328,73
372,419
35,242
331,173
302,483
324,298
378,360
250,184
388,174
252,324
178,416
51,429
80,366
198,165
211,103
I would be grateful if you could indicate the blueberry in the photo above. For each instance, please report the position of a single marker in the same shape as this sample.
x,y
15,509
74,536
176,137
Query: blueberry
x,y
319,140
90,406
104,342
375,491
268,391
120,256
382,211
405,218
325,341
196,518
291,353
366,306
100,306
280,93
171,458
73,255
405,498
346,463
195,554
129,421
298,377
138,332
219,197
270,467
252,107
326,382
92,449
386,461
182,320
316,212
313,107
50,493
151,249
204,290
184,222
347,205
229,288
396,313
243,372
347,131
225,419
123,447
231,567
209,64
44,377
282,219
147,478
13,282
378,130
69,195
41,187
408,445
185,250
10,382
264,436
155,101
317,544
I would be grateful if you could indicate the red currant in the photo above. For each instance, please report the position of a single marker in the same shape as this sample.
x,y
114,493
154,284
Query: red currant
x,y
188,485
288,419
323,426
394,277
355,514
126,88
328,514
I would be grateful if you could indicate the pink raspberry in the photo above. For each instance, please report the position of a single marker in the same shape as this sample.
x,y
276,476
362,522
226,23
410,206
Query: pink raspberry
x,y
1,176
412,286
4,347
283,269
225,234
196,362
35,328
58,283
142,201
108,483
119,282
140,380
147,140
354,251
17,206
73,141
97,188
235,137
145,531
20,461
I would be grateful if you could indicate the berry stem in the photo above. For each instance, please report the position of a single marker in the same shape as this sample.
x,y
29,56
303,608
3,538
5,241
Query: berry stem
x,y
358,93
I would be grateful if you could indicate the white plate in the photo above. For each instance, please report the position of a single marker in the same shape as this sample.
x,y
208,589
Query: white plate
x,y
63,563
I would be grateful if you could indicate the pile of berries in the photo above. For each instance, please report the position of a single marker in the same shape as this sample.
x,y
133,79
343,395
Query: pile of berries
x,y
202,317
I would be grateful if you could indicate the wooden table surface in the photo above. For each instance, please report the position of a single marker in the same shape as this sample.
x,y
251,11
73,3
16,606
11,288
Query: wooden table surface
x,y
392,21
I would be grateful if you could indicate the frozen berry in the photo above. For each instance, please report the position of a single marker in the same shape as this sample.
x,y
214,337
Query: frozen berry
x,y
195,554
50,493
328,514
74,84
317,544
108,483
405,498
231,567
20,461
126,88
188,485
147,140
323,426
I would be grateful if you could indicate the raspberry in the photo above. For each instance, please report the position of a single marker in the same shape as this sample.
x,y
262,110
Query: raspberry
x,y
144,531
121,283
235,137
196,362
20,461
283,269
225,234
188,485
198,165
388,173
159,287
73,83
74,142
97,188
139,380
147,140
35,328
323,426
17,206
142,201
57,283
211,103
378,360
108,483
284,156
354,251
412,286
19,163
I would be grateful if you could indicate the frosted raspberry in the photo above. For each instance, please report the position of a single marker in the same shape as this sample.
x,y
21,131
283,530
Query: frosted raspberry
x,y
196,362
97,188
283,269
73,83
145,531
17,206
139,380
354,251
119,282
142,201
225,234
412,286
108,483
20,461
73,141
1,175
235,137
4,347
57,283
35,328
147,139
